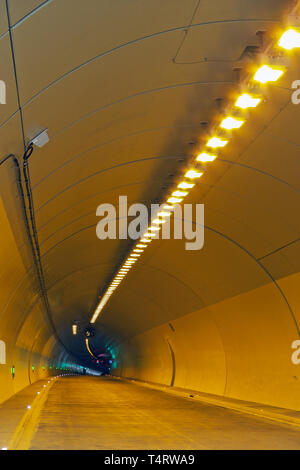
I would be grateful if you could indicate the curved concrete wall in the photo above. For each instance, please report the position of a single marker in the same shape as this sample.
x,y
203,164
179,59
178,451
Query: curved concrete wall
x,y
238,348
29,342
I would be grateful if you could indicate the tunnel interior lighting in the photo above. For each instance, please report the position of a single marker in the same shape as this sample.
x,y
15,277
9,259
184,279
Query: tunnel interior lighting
x,y
180,193
266,74
164,214
192,174
216,142
205,157
158,221
174,200
245,101
290,39
230,123
74,329
185,185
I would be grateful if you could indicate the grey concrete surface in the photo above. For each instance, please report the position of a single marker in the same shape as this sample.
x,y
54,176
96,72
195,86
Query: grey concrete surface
x,y
103,413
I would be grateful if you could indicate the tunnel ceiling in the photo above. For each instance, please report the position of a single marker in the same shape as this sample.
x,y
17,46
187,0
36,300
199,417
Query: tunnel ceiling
x,y
122,88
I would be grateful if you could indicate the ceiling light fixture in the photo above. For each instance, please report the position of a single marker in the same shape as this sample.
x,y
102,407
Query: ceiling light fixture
x,y
174,200
230,123
180,193
192,174
185,185
245,101
164,214
205,157
158,222
267,74
216,142
290,39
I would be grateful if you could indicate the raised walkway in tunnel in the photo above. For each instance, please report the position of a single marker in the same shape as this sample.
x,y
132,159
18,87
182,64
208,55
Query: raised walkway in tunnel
x,y
104,413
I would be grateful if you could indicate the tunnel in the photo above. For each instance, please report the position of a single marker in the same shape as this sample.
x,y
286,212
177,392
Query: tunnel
x,y
150,229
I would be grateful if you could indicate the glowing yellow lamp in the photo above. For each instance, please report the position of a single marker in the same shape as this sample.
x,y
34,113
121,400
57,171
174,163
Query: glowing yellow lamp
x,y
290,39
164,214
267,74
174,200
180,193
230,123
185,185
205,157
216,142
146,235
191,174
245,101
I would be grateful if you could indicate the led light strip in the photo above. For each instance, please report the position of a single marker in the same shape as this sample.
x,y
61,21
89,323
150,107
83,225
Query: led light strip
x,y
234,120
